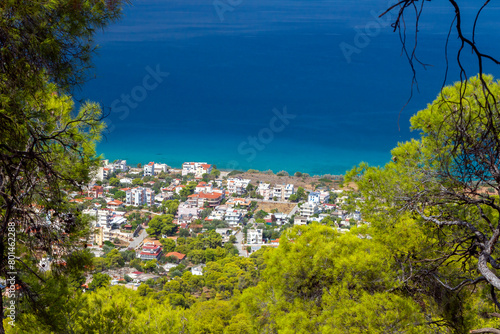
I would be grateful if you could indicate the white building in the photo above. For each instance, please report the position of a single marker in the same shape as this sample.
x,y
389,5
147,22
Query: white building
x,y
237,185
308,209
197,270
139,196
196,168
264,190
216,215
101,218
203,187
281,218
254,236
279,192
186,209
234,217
158,168
324,196
120,165
299,220
105,170
149,169
283,192
314,197
126,180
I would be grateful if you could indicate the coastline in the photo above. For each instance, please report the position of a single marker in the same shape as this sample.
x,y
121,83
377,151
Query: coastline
x,y
316,162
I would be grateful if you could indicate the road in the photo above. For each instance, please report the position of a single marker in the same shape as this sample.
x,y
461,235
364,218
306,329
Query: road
x,y
137,241
294,210
239,243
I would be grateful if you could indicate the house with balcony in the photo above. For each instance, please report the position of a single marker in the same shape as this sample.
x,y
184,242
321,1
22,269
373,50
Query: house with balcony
x,y
150,251
96,192
314,197
205,199
308,209
177,189
264,190
203,187
234,217
140,196
126,180
237,185
186,219
242,202
149,169
279,192
281,218
324,197
216,215
300,220
120,165
254,236
158,168
105,170
196,168
100,217
187,209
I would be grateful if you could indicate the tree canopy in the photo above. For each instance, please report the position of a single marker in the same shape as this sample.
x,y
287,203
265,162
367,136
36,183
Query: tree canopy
x,y
162,225
446,186
47,148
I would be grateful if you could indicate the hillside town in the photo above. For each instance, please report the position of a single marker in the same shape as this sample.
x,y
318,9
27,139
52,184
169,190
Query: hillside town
x,y
147,215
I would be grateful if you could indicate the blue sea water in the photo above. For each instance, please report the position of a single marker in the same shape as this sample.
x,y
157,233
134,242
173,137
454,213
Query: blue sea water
x,y
233,65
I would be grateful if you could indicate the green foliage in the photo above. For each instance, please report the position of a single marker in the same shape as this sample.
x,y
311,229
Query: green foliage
x,y
99,264
150,265
260,214
188,189
128,255
301,194
136,263
428,206
214,224
114,182
109,244
170,207
120,195
99,280
325,180
162,225
137,182
168,245
114,259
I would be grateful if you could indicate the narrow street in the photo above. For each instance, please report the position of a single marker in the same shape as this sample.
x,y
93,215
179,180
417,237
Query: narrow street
x,y
137,241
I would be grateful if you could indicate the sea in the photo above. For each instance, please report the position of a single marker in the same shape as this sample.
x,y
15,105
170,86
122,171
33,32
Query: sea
x,y
316,86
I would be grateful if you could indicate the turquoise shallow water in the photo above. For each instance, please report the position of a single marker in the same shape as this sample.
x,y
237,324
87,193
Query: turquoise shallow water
x,y
226,77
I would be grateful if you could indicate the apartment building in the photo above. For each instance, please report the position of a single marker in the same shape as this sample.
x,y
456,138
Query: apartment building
x,y
149,169
234,217
139,196
308,209
196,168
254,236
264,190
237,185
